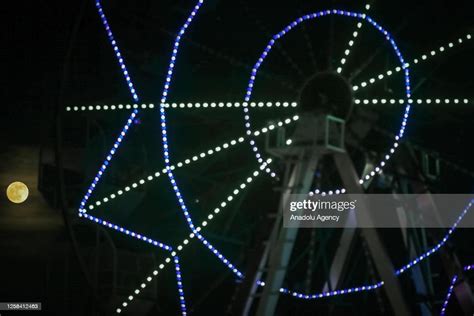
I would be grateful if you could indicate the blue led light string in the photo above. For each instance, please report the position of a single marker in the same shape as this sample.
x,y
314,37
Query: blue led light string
x,y
123,133
451,288
292,25
179,281
439,245
164,136
119,56
357,289
219,255
82,211
448,295
164,97
127,232
166,154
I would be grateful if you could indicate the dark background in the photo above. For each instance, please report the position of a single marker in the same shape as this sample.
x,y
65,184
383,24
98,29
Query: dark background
x,y
222,44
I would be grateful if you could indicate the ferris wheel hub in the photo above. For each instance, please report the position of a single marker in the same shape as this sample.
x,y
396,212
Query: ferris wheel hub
x,y
327,93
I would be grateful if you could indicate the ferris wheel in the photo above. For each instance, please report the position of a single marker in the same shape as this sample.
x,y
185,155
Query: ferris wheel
x,y
272,133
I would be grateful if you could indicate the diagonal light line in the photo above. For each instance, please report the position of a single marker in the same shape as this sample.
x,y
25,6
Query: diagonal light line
x,y
347,51
126,231
451,288
439,244
448,295
422,58
227,145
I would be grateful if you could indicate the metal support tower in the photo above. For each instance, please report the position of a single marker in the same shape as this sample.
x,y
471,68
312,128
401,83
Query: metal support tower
x,y
302,158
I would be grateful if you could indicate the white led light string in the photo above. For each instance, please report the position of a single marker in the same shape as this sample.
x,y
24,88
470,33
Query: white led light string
x,y
182,105
347,51
261,104
414,101
422,58
194,158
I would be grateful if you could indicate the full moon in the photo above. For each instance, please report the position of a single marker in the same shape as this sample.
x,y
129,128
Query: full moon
x,y
17,192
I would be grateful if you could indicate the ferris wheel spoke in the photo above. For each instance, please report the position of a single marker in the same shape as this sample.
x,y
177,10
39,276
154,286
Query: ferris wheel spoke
x,y
223,56
376,53
233,61
309,46
182,105
197,157
414,101
351,42
278,46
422,58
